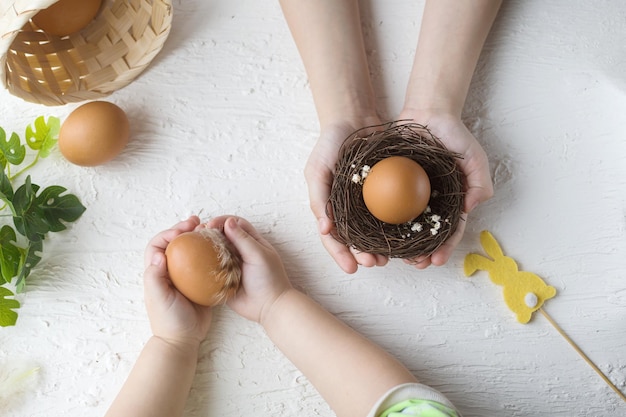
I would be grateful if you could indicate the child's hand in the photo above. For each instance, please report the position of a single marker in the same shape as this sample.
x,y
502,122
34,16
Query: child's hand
x,y
172,316
474,164
319,172
264,278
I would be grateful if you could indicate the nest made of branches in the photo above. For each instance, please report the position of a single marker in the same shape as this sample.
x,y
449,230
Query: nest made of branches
x,y
356,227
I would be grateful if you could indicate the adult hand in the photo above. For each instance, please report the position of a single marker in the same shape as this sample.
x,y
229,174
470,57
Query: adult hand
x,y
319,172
474,165
329,38
452,35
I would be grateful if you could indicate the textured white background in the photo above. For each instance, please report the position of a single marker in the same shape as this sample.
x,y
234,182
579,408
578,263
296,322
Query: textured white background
x,y
223,121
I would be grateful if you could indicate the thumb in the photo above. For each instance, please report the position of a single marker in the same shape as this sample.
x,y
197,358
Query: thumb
x,y
155,280
318,197
477,193
478,180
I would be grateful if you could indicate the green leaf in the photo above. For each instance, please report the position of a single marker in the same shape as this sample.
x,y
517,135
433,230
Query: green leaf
x,y
35,216
8,317
10,255
6,190
31,224
12,150
3,137
44,136
30,258
27,217
25,195
56,207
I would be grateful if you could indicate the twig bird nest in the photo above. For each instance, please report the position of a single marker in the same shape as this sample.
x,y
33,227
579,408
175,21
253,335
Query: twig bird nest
x,y
423,232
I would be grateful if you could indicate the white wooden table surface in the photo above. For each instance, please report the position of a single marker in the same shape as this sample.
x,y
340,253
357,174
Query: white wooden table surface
x,y
223,121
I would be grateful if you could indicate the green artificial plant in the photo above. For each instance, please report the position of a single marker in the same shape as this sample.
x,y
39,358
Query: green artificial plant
x,y
34,211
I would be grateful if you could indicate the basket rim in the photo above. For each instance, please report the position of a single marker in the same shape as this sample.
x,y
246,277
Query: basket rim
x,y
36,76
14,15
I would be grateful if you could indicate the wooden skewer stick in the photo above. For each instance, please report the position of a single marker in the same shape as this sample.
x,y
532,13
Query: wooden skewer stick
x,y
582,354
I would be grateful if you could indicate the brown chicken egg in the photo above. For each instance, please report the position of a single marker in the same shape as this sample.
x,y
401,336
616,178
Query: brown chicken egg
x,y
67,16
204,266
396,190
94,133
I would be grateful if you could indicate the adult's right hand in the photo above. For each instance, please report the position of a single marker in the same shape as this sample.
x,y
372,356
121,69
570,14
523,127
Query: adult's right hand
x,y
319,173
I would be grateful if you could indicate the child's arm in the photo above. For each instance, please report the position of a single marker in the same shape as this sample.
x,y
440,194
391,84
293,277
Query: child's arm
x,y
329,38
349,371
451,38
159,383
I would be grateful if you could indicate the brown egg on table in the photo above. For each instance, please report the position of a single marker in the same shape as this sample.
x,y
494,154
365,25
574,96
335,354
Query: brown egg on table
x,y
204,266
94,133
67,16
396,190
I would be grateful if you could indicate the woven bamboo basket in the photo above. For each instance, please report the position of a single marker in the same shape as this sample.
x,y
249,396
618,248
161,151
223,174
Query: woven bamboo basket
x,y
109,53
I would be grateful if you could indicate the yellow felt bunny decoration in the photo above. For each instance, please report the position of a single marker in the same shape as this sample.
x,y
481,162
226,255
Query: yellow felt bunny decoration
x,y
524,292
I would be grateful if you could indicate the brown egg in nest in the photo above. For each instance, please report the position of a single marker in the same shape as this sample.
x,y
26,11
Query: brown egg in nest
x,y
392,221
204,266
67,16
94,133
396,190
